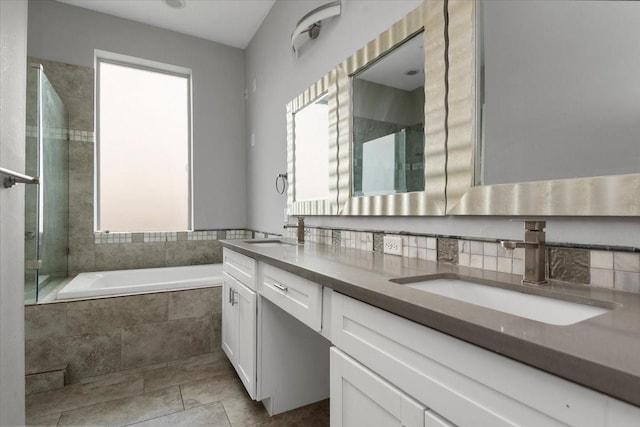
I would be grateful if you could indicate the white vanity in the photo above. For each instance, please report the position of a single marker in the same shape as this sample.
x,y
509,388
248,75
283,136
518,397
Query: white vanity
x,y
281,361
384,369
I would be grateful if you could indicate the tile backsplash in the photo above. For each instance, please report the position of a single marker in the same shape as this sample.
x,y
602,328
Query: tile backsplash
x,y
617,268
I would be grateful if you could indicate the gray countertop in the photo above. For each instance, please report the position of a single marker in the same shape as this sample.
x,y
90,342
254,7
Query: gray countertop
x,y
602,353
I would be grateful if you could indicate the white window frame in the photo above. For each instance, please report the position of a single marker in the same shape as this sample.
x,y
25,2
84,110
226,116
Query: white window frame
x,y
101,56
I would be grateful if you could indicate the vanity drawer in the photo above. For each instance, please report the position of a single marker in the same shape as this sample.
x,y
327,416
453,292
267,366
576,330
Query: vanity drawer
x,y
240,267
299,297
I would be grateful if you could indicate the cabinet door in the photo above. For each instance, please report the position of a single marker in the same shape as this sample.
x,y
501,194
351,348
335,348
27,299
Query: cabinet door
x,y
229,319
245,302
359,397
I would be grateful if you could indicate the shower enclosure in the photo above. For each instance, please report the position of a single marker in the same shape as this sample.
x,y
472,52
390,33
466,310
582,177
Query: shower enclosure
x,y
46,204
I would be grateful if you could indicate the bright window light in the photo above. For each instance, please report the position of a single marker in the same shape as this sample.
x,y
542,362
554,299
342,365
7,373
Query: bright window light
x,y
143,179
311,145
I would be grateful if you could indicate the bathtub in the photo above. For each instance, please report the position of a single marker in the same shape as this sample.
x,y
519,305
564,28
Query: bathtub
x,y
127,282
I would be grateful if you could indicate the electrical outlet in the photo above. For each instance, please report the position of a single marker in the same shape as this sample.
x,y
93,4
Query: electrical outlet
x,y
393,245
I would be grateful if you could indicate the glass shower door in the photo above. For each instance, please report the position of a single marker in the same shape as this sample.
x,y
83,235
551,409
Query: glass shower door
x,y
32,192
46,204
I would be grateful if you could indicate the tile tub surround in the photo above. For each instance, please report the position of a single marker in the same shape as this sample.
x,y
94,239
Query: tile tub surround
x,y
122,251
202,390
613,268
106,335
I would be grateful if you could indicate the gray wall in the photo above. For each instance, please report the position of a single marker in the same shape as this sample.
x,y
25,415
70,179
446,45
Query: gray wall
x,y
279,77
68,34
13,87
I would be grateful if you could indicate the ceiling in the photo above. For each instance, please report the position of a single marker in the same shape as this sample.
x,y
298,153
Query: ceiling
x,y
230,22
392,69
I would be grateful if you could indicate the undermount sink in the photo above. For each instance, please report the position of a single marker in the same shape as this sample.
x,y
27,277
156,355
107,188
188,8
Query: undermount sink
x,y
269,243
534,307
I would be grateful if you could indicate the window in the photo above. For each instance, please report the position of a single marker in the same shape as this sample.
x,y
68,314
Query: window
x,y
144,146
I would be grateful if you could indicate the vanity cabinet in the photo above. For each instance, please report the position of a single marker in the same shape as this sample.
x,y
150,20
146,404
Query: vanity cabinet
x,y
239,316
459,383
239,330
271,321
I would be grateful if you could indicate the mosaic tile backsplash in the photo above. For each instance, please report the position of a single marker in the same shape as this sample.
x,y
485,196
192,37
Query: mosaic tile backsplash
x,y
617,269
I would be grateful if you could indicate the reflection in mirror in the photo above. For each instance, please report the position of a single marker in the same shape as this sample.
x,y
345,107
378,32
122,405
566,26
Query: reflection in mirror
x,y
311,151
388,123
560,89
546,151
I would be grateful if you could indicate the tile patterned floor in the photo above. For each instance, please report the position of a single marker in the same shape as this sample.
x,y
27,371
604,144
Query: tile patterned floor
x,y
201,391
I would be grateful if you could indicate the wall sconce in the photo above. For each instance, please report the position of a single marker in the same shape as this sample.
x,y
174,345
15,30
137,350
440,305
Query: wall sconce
x,y
308,28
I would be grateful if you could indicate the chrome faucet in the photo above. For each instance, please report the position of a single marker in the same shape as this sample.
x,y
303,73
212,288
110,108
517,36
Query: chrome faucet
x,y
300,229
534,252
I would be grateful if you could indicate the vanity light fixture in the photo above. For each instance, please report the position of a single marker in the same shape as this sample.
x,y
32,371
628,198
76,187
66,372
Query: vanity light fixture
x,y
176,4
308,27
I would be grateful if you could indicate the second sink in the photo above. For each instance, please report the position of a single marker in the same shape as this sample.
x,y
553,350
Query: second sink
x,y
535,307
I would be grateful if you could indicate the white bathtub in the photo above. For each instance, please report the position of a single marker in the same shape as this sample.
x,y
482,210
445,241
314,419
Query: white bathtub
x,y
126,282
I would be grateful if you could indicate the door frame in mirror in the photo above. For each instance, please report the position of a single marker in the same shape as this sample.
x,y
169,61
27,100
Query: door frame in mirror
x,y
326,86
427,18
613,195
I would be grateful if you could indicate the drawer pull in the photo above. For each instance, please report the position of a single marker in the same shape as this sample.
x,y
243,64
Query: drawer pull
x,y
283,288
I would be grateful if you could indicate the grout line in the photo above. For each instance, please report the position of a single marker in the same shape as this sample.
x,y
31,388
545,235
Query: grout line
x,y
225,412
181,397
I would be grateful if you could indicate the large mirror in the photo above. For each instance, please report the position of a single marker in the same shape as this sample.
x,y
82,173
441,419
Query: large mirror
x,y
547,108
391,115
312,149
388,123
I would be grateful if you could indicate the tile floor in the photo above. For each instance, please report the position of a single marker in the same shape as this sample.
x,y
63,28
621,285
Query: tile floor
x,y
201,391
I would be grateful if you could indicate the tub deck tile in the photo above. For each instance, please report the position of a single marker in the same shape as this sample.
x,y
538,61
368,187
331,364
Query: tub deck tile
x,y
87,354
153,343
195,303
105,314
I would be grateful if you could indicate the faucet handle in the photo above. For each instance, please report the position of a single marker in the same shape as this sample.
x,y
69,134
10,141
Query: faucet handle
x,y
535,225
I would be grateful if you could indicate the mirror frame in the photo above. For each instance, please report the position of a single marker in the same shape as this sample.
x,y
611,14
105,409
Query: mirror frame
x,y
325,86
612,195
427,18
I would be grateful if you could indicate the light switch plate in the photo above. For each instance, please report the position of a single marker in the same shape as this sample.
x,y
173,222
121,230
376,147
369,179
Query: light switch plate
x,y
393,245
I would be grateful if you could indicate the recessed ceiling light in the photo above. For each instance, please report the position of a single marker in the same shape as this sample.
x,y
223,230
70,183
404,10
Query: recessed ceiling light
x,y
412,72
176,4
